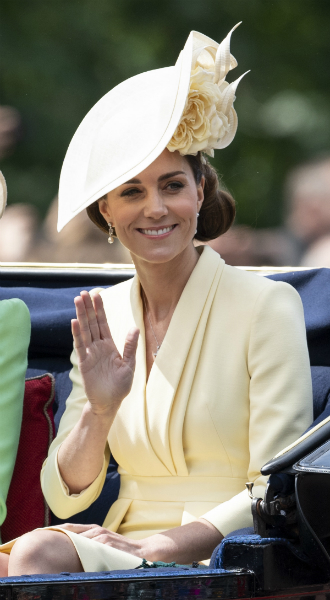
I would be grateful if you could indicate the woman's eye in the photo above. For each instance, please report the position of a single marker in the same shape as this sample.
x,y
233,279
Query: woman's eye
x,y
174,185
131,192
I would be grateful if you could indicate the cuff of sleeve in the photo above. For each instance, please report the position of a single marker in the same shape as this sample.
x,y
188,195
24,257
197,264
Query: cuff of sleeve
x,y
56,492
235,513
63,485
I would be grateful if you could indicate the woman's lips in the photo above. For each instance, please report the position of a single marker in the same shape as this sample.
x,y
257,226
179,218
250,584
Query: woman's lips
x,y
157,232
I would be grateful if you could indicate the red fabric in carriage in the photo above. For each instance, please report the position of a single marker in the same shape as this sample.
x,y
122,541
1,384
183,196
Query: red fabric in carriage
x,y
26,507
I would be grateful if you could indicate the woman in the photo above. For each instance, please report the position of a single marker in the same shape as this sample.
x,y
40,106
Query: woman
x,y
14,341
193,374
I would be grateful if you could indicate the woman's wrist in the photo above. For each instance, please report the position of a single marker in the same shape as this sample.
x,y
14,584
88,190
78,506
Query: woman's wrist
x,y
184,544
102,411
155,548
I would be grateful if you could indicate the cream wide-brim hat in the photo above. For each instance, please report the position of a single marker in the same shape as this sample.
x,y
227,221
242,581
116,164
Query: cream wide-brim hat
x,y
3,194
129,128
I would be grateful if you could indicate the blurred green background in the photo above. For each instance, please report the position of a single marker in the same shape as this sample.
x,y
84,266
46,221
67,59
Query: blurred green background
x,y
58,58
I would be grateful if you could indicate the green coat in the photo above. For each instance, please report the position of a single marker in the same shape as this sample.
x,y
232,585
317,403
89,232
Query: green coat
x,y
15,330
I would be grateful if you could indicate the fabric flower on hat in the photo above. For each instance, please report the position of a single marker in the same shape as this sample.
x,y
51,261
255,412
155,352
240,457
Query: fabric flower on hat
x,y
209,120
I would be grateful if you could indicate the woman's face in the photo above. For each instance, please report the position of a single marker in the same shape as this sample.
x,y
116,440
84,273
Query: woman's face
x,y
155,213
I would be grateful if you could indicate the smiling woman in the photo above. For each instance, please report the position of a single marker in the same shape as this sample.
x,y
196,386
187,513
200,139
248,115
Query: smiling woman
x,y
167,201
160,205
217,211
193,374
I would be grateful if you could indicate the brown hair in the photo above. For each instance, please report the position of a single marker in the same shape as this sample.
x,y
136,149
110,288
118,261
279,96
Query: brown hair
x,y
218,209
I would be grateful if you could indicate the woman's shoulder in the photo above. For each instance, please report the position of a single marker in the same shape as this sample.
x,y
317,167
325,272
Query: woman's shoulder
x,y
248,279
116,293
15,322
252,287
14,308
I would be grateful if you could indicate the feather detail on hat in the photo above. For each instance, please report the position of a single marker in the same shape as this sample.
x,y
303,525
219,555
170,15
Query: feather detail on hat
x,y
224,61
3,194
209,120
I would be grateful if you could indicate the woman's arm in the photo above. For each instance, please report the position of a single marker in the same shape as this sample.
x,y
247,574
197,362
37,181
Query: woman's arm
x,y
280,396
81,455
107,379
186,544
15,329
72,476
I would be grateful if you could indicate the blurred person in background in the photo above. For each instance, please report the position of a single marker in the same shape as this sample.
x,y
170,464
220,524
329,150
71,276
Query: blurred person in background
x,y
21,237
247,247
308,211
19,224
304,239
78,242
10,126
318,255
18,231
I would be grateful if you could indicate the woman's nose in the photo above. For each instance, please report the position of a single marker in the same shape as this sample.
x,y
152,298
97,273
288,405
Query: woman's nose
x,y
154,206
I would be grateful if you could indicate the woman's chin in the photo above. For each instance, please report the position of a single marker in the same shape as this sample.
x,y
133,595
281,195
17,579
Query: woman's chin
x,y
158,255
155,257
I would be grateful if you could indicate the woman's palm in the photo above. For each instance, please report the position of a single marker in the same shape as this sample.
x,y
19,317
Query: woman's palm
x,y
107,376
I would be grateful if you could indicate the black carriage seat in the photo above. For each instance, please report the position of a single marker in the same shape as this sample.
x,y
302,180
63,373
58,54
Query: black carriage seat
x,y
284,461
302,472
293,519
289,544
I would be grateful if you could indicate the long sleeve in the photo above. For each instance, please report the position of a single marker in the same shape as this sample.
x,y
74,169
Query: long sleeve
x,y
54,489
280,396
15,330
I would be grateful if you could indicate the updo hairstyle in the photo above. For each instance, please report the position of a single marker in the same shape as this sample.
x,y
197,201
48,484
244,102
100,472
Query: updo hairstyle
x,y
218,209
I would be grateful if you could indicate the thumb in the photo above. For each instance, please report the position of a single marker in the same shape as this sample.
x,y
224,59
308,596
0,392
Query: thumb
x,y
130,347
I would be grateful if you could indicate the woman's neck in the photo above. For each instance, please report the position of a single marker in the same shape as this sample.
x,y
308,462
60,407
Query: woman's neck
x,y
163,283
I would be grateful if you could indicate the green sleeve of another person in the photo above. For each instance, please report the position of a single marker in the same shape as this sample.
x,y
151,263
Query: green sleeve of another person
x,y
15,330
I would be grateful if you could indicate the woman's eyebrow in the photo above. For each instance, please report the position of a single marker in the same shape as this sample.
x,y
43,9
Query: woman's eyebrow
x,y
161,178
132,181
172,174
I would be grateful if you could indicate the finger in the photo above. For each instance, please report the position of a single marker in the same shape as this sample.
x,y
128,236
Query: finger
x,y
91,316
105,540
83,321
78,527
78,340
130,347
94,532
101,317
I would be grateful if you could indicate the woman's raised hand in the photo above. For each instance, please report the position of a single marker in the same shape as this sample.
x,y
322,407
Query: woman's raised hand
x,y
107,376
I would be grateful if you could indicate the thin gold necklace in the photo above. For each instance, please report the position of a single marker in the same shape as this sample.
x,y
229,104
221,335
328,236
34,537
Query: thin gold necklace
x,y
154,354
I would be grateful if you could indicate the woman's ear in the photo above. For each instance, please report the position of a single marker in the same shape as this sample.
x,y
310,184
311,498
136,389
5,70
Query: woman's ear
x,y
200,193
104,208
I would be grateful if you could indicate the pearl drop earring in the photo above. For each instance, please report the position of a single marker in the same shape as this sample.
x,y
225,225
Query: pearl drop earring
x,y
197,219
110,238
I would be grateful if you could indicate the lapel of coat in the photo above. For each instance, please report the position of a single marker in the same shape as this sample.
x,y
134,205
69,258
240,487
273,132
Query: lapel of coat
x,y
129,435
175,357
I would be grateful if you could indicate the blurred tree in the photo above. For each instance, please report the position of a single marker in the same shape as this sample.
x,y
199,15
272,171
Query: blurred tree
x,y
59,58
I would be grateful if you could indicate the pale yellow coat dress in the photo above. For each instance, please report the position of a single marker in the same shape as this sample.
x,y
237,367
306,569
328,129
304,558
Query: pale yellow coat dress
x,y
230,388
